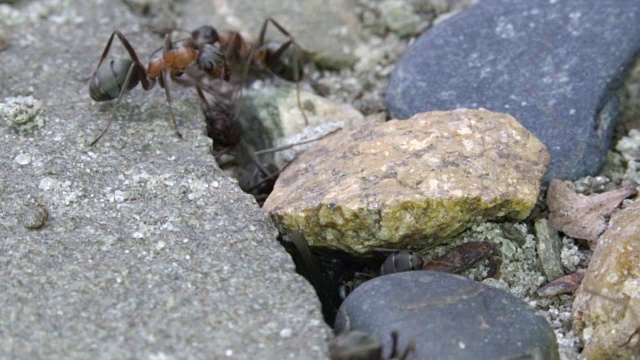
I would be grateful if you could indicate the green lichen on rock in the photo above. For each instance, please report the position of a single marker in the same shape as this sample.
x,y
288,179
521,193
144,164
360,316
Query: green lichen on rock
x,y
418,181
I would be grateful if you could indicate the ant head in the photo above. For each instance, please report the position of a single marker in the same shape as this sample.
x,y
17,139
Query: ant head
x,y
204,35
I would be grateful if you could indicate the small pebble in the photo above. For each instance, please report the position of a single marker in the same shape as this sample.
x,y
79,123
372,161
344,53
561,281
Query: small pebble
x,y
46,183
23,159
567,284
36,217
549,249
286,333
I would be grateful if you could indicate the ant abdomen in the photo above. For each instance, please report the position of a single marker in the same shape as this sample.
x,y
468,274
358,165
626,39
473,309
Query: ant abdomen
x,y
399,261
108,79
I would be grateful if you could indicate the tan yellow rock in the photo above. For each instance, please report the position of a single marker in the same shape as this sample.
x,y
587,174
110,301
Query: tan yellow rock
x,y
606,310
415,181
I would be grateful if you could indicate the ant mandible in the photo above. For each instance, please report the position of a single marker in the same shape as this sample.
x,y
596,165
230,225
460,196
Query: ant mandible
x,y
112,79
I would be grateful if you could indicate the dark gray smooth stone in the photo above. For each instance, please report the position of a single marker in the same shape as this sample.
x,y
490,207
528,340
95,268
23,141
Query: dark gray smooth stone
x,y
449,317
553,65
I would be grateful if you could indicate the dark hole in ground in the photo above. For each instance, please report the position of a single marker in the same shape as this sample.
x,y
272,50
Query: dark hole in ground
x,y
333,273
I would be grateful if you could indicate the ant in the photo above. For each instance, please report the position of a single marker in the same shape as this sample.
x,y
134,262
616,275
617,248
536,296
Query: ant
x,y
198,58
193,56
260,55
238,55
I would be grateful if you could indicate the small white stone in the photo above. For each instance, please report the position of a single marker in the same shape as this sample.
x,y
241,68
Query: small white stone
x,y
286,333
23,159
120,196
160,245
46,183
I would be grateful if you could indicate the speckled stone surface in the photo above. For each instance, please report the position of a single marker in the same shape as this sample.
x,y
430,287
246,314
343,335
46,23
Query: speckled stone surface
x,y
553,65
149,250
606,310
449,317
417,181
327,29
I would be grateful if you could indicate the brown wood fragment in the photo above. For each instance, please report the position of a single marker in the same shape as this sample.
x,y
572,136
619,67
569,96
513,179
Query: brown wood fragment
x,y
580,216
567,284
464,256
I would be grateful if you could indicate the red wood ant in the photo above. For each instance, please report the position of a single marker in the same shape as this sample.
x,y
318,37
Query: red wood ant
x,y
197,57
112,79
260,55
238,55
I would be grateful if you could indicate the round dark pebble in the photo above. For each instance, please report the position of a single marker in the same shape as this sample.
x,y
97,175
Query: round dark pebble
x,y
448,317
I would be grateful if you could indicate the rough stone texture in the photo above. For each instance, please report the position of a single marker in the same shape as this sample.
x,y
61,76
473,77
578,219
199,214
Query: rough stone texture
x,y
416,181
327,29
149,250
629,148
23,113
449,317
152,7
549,247
399,17
606,310
554,65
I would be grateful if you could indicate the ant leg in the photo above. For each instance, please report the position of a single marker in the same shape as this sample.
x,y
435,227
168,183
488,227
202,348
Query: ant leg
x,y
130,73
203,100
105,52
147,83
411,346
394,344
263,170
278,53
136,69
263,31
167,92
296,71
